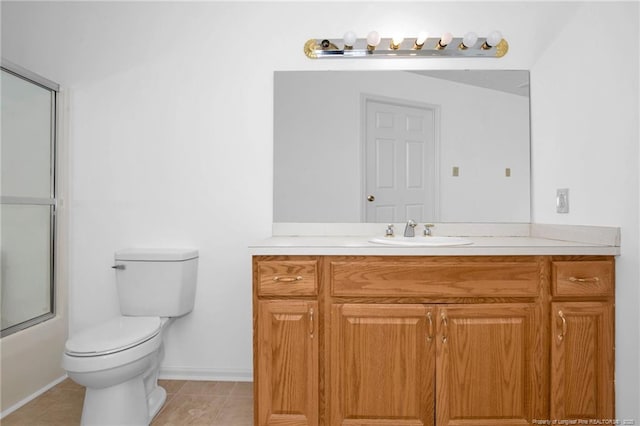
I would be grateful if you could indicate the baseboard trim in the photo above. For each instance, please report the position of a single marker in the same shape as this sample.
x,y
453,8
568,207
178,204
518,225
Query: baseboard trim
x,y
31,397
214,374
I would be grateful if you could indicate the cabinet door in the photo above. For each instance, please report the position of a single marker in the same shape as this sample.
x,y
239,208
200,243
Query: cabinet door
x,y
582,360
287,351
484,365
382,365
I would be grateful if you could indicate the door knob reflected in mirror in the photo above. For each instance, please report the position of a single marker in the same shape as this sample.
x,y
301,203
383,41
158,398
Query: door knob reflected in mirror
x,y
371,198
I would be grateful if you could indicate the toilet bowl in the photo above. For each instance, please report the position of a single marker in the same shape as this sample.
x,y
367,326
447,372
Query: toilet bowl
x,y
118,361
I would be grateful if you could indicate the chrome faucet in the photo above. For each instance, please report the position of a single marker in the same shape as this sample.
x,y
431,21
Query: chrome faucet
x,y
409,228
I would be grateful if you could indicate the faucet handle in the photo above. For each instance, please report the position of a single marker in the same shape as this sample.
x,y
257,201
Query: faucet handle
x,y
389,231
427,229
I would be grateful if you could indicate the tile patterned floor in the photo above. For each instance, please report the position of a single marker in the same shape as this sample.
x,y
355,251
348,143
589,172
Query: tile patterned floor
x,y
188,403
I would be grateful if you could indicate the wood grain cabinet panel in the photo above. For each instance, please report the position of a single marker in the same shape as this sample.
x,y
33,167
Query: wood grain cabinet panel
x,y
402,277
582,361
382,365
386,360
485,365
287,278
287,365
583,278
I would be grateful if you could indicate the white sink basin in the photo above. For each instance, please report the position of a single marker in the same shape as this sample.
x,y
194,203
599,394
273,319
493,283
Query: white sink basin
x,y
420,241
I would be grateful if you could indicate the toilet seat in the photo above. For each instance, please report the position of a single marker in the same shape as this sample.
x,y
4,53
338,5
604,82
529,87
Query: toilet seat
x,y
116,335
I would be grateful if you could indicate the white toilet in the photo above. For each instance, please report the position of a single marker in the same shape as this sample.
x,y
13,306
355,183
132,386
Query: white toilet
x,y
118,361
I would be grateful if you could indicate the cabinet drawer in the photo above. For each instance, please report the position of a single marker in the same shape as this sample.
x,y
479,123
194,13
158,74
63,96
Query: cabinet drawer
x,y
293,278
436,278
582,278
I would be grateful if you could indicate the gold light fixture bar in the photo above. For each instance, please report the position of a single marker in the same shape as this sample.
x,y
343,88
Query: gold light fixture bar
x,y
336,48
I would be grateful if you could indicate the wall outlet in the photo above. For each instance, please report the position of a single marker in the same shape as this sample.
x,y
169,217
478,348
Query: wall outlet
x,y
562,200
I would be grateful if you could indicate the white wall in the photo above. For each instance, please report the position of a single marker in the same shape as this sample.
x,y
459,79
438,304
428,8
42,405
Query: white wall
x,y
178,150
171,138
585,118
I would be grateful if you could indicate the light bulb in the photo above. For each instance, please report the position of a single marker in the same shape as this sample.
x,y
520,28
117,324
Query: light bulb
x,y
422,37
373,40
396,41
445,40
469,40
493,39
349,40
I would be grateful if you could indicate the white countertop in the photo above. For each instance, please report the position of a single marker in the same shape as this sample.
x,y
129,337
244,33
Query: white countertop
x,y
542,240
358,245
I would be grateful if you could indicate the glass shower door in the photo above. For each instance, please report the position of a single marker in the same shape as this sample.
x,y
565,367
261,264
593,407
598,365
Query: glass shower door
x,y
27,199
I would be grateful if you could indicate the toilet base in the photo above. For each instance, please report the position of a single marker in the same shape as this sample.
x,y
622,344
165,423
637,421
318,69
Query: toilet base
x,y
155,401
124,404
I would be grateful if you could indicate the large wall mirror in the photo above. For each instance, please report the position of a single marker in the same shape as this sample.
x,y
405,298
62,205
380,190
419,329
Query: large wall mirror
x,y
388,146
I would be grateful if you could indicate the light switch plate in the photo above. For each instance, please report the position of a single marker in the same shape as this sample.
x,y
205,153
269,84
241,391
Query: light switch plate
x,y
562,200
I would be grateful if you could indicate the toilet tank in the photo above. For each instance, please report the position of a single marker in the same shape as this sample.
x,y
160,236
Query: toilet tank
x,y
156,282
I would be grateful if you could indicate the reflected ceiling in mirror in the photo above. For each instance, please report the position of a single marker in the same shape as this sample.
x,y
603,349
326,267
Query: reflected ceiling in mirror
x,y
388,146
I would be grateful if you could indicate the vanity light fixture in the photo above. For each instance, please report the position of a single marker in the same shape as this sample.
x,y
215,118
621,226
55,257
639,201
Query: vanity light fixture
x,y
374,46
444,41
422,37
349,40
469,40
373,40
396,42
493,39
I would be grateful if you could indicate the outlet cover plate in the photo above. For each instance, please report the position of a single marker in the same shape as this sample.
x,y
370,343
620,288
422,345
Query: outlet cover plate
x,y
562,200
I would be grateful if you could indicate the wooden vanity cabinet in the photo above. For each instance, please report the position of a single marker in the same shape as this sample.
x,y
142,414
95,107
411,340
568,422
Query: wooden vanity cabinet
x,y
444,341
408,364
465,354
286,317
582,340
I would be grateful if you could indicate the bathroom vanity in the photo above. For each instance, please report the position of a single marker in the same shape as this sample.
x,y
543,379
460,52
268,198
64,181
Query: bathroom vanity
x,y
506,331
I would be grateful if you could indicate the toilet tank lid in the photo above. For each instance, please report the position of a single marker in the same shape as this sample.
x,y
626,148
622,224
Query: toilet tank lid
x,y
156,254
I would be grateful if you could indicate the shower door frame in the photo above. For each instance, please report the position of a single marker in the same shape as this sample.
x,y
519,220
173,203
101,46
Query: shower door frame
x,y
52,201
